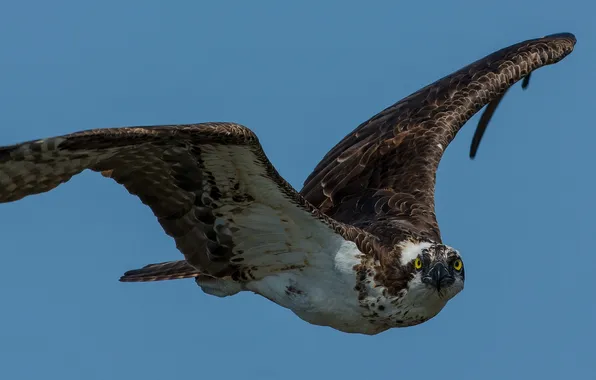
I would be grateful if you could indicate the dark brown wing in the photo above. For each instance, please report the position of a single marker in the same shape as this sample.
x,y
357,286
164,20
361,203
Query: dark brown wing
x,y
210,185
381,176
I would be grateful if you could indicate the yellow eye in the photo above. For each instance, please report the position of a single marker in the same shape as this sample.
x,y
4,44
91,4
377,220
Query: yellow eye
x,y
417,263
457,265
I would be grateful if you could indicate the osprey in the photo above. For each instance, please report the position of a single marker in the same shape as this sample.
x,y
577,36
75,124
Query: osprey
x,y
357,249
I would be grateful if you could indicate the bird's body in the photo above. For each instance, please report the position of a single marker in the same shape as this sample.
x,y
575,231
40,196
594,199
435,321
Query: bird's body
x,y
322,293
357,249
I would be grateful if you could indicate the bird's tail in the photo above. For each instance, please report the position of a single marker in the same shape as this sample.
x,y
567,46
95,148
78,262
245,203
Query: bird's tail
x,y
171,270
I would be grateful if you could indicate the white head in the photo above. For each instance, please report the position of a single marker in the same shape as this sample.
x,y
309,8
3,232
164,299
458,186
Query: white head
x,y
434,272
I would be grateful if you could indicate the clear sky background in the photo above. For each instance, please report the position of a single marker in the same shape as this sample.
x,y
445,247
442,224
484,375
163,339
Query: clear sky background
x,y
301,76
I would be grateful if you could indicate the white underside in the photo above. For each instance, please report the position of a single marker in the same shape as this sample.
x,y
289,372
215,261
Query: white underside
x,y
323,293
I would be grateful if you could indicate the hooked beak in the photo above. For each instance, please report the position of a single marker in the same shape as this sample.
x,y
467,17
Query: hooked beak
x,y
438,277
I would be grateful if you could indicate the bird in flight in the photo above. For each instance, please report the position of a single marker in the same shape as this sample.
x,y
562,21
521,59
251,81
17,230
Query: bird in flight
x,y
358,249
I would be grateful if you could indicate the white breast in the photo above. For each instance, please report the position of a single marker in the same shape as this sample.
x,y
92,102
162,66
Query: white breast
x,y
322,293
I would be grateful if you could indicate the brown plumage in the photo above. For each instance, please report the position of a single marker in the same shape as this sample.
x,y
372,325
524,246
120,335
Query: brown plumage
x,y
177,171
381,176
362,230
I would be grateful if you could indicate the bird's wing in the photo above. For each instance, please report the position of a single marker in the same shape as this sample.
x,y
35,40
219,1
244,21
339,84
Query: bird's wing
x,y
210,186
381,176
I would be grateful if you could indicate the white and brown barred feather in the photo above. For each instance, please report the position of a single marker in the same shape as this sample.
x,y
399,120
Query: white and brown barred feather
x,y
210,186
232,215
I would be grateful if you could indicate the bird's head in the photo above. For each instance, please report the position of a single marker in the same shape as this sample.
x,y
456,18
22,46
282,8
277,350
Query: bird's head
x,y
436,271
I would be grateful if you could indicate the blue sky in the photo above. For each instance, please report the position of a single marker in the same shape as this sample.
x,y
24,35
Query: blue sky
x,y
301,76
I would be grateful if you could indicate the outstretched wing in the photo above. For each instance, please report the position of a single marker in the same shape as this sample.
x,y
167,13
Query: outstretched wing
x,y
210,185
381,177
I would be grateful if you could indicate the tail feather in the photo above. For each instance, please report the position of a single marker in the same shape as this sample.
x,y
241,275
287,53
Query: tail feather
x,y
171,270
